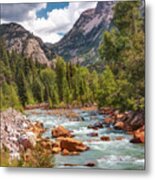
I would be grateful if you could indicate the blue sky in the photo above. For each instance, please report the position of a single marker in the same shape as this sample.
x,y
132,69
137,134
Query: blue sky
x,y
50,7
49,21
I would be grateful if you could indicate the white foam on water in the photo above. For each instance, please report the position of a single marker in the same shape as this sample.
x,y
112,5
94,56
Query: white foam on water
x,y
71,123
140,161
83,130
113,159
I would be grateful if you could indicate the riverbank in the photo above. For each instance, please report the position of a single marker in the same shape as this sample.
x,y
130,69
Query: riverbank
x,y
129,121
21,141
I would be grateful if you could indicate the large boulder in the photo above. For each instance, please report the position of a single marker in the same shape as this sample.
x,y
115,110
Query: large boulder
x,y
139,136
72,145
60,131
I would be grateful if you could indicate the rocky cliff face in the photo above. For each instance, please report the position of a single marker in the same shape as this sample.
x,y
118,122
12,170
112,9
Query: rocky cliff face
x,y
82,41
22,41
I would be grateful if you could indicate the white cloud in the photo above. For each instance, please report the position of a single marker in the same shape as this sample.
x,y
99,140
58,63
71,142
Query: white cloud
x,y
59,21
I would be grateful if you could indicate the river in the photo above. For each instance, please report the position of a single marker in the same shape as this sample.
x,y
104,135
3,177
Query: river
x,y
113,154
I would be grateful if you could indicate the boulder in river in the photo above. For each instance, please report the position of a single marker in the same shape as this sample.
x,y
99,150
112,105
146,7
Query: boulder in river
x,y
72,145
90,164
93,134
60,131
119,138
96,126
105,138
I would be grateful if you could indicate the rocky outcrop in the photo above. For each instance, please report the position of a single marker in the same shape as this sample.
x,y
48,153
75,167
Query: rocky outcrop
x,y
128,121
60,131
15,135
23,42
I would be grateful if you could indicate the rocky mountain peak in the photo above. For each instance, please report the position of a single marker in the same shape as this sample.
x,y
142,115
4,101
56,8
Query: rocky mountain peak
x,y
18,39
82,41
104,6
12,27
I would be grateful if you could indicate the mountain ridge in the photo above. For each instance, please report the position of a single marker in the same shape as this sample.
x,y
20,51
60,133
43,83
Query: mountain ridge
x,y
20,40
86,34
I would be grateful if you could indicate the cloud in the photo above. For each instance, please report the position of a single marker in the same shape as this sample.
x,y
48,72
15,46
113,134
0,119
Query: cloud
x,y
52,28
19,12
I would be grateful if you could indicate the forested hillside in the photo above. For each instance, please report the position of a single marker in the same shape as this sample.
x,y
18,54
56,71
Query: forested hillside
x,y
119,85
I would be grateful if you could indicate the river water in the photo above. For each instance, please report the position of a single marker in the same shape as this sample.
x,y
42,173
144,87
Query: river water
x,y
113,154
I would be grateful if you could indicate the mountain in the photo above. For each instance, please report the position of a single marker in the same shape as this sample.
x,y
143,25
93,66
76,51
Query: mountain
x,y
22,41
81,43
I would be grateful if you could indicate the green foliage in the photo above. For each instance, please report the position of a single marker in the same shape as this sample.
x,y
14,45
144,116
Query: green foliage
x,y
123,50
120,84
37,157
9,96
26,82
108,88
6,161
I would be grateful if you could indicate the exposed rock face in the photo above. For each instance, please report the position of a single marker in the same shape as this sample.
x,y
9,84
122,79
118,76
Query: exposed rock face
x,y
85,36
22,41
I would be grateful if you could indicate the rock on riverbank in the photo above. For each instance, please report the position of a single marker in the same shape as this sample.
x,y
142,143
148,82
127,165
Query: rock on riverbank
x,y
132,122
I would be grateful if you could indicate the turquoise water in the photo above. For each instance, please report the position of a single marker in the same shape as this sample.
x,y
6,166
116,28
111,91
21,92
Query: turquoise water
x,y
114,154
